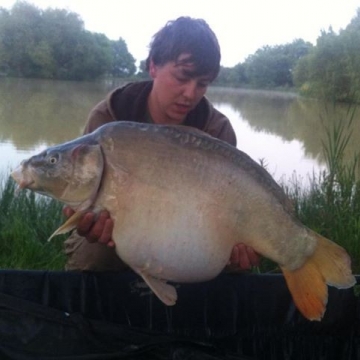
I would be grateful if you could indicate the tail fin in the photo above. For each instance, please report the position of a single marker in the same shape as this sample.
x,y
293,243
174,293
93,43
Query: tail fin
x,y
329,265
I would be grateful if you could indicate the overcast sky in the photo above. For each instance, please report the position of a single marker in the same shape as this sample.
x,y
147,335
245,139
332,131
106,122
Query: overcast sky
x,y
242,26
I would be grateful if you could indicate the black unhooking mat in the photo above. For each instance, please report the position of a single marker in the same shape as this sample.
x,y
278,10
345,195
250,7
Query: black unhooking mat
x,y
73,316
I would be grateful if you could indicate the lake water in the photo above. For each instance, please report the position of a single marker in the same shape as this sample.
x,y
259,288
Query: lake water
x,y
281,130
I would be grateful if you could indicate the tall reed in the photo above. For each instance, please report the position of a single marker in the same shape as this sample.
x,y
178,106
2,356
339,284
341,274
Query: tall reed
x,y
26,221
331,204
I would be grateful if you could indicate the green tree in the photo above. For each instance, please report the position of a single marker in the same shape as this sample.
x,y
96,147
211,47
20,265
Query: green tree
x,y
53,43
331,69
273,66
91,57
239,74
351,39
123,63
64,31
142,73
19,31
326,66
225,77
43,62
4,54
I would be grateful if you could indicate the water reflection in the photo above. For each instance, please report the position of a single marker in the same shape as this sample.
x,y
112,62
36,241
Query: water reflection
x,y
284,130
283,158
299,123
41,111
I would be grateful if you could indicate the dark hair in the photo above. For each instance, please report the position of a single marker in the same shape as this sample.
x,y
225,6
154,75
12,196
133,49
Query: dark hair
x,y
190,36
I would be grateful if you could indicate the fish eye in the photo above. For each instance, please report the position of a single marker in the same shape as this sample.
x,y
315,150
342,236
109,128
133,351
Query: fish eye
x,y
53,159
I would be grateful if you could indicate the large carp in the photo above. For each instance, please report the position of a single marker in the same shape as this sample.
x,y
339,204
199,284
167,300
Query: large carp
x,y
180,200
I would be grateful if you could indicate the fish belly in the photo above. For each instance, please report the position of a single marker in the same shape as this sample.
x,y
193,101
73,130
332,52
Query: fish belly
x,y
175,240
172,256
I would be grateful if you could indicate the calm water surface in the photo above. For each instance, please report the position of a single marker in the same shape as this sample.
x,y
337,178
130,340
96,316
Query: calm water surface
x,y
282,130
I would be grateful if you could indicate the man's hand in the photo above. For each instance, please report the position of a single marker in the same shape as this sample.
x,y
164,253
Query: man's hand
x,y
94,228
243,257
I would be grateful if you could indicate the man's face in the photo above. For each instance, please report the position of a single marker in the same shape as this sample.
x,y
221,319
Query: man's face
x,y
176,90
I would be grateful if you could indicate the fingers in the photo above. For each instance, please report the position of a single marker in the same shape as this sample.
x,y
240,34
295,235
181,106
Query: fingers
x,y
84,226
254,258
111,244
68,211
106,233
244,257
96,229
241,258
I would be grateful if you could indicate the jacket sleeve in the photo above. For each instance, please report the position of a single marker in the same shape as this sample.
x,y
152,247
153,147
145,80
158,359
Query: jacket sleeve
x,y
219,126
227,133
98,116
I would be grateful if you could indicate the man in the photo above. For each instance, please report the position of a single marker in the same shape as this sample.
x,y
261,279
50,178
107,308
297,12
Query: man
x,y
184,59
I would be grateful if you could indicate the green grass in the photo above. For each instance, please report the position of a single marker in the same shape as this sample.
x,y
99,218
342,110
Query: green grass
x,y
331,204
26,222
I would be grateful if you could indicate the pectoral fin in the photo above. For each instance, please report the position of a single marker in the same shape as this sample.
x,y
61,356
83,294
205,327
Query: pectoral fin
x,y
69,224
165,292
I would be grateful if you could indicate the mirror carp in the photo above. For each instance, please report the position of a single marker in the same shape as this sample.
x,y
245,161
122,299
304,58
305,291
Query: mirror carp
x,y
180,201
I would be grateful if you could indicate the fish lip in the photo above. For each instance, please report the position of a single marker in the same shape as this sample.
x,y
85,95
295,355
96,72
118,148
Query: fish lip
x,y
23,185
21,181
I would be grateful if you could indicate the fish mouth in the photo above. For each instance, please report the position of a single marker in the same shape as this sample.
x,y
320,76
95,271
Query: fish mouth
x,y
22,181
23,185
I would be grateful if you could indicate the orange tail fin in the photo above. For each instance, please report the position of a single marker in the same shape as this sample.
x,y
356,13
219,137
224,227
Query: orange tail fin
x,y
329,265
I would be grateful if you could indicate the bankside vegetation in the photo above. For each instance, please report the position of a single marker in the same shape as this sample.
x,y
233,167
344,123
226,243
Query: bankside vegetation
x,y
26,222
330,205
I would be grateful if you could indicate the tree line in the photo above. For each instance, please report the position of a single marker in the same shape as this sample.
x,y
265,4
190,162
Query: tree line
x,y
270,67
330,69
53,43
